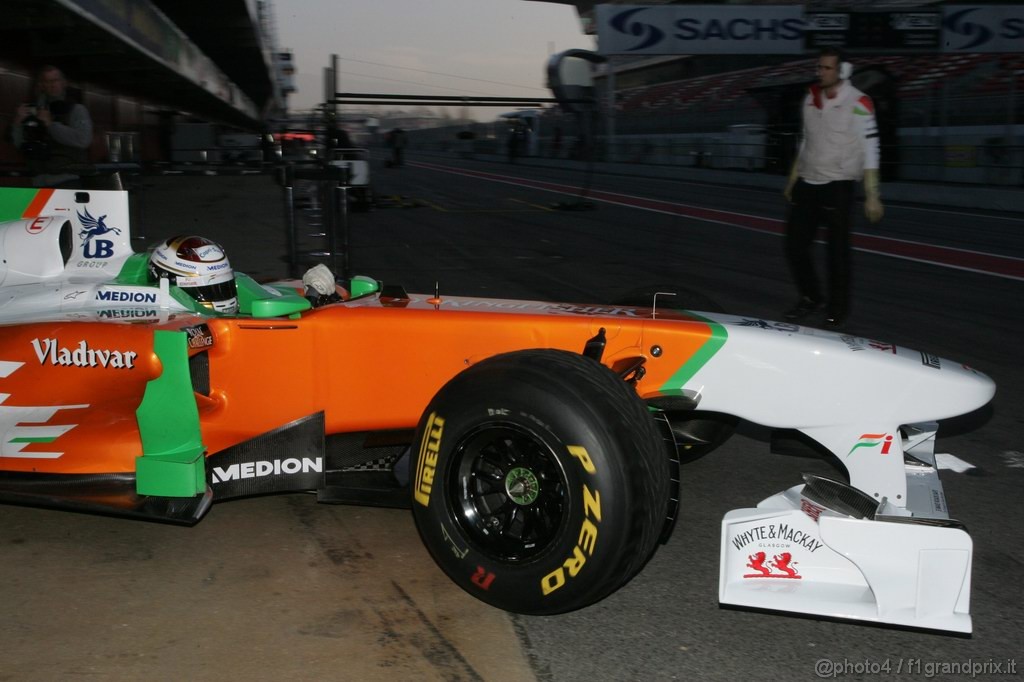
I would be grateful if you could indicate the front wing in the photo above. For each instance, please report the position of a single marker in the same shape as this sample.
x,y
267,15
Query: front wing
x,y
828,549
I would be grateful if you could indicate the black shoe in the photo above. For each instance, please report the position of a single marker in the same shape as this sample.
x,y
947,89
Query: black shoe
x,y
804,307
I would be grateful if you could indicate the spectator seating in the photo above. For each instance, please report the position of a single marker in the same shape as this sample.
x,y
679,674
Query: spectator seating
x,y
916,76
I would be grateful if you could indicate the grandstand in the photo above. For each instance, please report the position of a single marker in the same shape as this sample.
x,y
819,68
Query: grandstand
x,y
952,117
926,106
965,76
955,117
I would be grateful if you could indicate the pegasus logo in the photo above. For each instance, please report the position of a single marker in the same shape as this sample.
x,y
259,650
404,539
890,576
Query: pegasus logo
x,y
94,227
977,34
650,35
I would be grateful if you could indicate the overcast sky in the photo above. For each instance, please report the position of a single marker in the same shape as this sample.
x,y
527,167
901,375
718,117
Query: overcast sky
x,y
420,47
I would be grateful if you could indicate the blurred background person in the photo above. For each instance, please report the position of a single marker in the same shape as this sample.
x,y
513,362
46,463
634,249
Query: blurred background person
x,y
53,132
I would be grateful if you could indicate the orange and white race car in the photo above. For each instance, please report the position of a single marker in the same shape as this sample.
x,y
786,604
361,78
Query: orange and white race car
x,y
538,444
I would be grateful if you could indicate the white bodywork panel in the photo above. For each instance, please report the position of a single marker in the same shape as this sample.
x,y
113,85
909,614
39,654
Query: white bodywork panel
x,y
790,554
90,231
96,238
850,394
874,406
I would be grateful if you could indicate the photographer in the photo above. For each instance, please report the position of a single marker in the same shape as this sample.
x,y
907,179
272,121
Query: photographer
x,y
54,133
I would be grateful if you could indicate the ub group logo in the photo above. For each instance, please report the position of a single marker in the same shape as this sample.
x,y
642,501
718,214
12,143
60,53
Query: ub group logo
x,y
94,227
974,34
649,35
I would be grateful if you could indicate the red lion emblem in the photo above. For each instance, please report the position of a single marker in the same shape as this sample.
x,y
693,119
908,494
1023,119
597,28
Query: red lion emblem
x,y
781,566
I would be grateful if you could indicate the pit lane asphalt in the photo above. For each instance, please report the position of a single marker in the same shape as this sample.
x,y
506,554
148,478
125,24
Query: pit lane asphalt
x,y
279,586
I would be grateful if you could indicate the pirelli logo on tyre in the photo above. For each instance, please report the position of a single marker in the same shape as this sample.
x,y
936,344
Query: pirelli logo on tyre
x,y
587,540
426,464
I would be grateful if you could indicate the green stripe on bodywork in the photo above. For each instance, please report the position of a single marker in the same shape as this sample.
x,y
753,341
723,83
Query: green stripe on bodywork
x,y
14,201
172,463
135,270
698,359
255,300
861,445
44,439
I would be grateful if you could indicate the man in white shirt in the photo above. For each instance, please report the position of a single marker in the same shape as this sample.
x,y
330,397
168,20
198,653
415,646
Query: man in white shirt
x,y
839,147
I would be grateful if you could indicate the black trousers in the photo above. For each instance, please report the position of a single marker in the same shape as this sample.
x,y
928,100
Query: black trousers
x,y
815,205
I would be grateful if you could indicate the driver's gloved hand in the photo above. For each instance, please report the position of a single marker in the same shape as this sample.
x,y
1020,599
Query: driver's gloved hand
x,y
320,286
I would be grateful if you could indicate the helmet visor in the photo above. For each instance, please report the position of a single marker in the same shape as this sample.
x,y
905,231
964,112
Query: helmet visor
x,y
222,296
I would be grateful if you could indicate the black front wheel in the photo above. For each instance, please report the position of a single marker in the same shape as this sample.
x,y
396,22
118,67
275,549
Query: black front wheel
x,y
540,482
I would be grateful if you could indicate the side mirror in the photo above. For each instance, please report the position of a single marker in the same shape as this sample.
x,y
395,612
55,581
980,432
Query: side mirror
x,y
361,285
571,79
280,307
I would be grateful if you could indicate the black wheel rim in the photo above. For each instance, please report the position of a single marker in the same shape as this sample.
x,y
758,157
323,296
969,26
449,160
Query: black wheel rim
x,y
510,492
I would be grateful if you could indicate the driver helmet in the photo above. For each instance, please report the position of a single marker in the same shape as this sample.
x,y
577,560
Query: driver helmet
x,y
200,267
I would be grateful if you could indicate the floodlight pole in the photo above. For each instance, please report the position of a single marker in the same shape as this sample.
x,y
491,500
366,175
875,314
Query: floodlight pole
x,y
610,112
334,86
330,104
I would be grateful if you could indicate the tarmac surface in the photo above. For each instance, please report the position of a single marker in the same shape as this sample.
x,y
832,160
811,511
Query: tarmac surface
x,y
280,587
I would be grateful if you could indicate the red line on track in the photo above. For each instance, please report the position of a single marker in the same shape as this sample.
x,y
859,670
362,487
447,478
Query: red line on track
x,y
944,256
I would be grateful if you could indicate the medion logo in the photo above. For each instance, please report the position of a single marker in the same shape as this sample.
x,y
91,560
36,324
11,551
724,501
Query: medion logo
x,y
127,313
126,296
275,467
50,350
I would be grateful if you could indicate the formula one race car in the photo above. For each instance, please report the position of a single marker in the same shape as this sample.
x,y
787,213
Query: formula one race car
x,y
538,444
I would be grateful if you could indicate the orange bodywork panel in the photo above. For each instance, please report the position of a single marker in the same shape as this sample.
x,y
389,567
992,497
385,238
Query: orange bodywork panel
x,y
370,364
69,393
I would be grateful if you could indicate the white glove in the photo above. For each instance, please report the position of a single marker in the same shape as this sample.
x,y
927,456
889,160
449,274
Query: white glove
x,y
873,208
320,279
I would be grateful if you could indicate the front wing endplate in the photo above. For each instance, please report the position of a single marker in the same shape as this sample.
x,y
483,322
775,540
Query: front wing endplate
x,y
786,555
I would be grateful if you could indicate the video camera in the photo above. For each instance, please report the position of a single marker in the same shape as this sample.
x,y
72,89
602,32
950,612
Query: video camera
x,y
34,138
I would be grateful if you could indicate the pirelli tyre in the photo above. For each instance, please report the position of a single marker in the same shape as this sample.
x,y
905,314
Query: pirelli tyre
x,y
540,481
